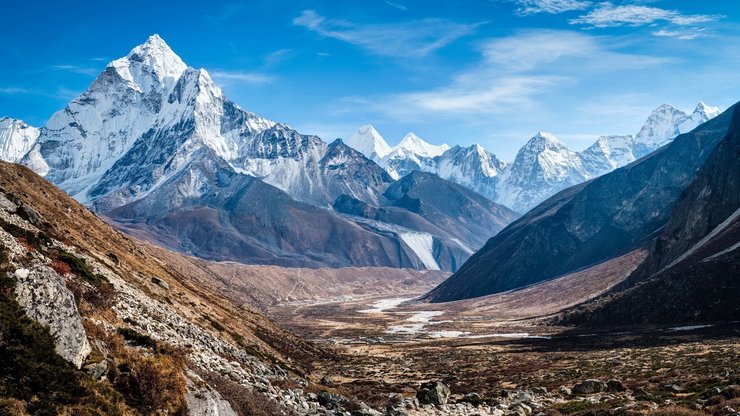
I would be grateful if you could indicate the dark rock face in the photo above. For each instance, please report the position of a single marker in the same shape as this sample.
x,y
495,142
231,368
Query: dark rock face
x,y
459,220
691,273
589,387
433,392
588,223
463,213
216,213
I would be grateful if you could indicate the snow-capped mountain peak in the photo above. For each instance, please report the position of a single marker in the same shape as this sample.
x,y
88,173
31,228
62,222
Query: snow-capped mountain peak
x,y
661,126
544,140
706,110
418,146
16,138
369,142
149,64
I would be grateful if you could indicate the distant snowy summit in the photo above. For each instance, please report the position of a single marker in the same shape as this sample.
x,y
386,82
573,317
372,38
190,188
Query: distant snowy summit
x,y
16,138
542,167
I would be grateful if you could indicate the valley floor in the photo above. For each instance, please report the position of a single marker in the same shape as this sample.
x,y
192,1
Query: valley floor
x,y
499,352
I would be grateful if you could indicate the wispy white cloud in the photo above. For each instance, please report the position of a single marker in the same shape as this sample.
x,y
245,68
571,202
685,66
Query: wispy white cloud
x,y
413,38
77,69
396,5
243,77
527,7
513,72
15,91
277,57
60,93
606,14
683,34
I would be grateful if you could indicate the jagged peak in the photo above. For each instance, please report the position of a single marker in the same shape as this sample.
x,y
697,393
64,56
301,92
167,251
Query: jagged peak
x,y
703,108
544,139
369,142
416,145
153,57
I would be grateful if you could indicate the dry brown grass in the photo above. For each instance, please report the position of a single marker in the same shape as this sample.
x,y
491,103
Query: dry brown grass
x,y
676,411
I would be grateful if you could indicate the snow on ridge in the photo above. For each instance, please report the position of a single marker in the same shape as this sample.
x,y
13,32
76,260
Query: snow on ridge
x,y
422,244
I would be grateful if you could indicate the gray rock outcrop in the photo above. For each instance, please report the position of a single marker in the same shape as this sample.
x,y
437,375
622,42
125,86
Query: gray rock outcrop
x,y
46,299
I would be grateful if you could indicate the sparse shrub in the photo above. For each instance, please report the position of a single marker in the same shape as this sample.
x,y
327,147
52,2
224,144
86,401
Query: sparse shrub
x,y
61,267
154,384
215,324
29,239
137,338
81,269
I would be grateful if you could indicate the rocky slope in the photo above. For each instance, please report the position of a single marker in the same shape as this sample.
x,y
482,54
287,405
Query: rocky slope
x,y
588,223
145,337
691,273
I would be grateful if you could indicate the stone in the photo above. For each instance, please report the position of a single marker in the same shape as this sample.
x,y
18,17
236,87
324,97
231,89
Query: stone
x,y
43,295
97,370
7,205
523,397
433,392
589,387
674,388
330,400
641,394
714,391
327,380
521,409
731,392
204,401
161,283
615,386
473,398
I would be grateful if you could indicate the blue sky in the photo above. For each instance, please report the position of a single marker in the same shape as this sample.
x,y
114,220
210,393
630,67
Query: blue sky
x,y
492,72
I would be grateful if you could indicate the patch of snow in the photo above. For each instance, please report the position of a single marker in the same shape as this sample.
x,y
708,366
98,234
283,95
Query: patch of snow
x,y
447,334
385,304
688,327
422,245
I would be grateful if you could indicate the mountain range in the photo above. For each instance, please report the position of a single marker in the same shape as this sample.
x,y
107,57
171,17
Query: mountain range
x,y
541,168
157,148
592,222
690,274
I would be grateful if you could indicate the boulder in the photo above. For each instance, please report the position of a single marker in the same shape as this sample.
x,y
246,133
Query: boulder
x,y
615,386
565,391
331,400
204,401
520,409
433,392
43,295
589,387
327,380
97,370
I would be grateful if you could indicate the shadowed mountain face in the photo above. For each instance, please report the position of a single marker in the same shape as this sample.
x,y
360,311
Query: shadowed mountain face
x,y
440,221
461,212
216,213
692,273
588,223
